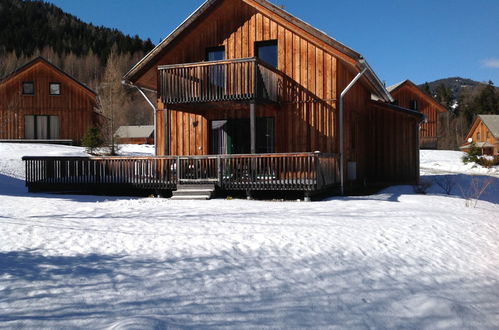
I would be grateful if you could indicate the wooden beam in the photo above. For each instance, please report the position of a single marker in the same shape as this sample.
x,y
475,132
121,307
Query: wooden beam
x,y
253,127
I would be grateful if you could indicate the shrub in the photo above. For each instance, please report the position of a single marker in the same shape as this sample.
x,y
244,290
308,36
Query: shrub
x,y
92,140
488,161
473,154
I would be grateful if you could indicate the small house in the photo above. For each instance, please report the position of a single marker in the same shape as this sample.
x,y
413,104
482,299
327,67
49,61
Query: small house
x,y
484,133
40,102
135,134
406,94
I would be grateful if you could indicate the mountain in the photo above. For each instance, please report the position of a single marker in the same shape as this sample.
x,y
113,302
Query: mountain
x,y
28,26
456,85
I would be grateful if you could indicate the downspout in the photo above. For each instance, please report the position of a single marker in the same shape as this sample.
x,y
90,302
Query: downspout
x,y
127,83
342,142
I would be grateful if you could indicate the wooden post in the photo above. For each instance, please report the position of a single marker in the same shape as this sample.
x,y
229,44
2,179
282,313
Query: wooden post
x,y
253,126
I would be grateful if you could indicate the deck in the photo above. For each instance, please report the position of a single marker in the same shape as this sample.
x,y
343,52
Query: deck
x,y
306,172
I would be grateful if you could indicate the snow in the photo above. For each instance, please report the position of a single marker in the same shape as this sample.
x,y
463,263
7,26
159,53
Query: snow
x,y
395,259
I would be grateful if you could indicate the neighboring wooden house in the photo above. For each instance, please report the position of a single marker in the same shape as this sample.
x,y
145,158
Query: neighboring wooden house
x,y
39,101
406,94
244,76
135,134
484,133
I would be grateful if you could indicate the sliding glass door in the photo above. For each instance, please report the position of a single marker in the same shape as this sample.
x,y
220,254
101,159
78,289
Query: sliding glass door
x,y
41,127
232,136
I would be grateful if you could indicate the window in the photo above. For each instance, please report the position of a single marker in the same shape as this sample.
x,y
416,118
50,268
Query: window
x,y
267,52
215,53
478,136
28,88
216,73
55,89
488,134
413,104
41,127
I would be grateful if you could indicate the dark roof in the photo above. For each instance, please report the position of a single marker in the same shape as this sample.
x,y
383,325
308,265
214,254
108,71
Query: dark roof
x,y
144,63
397,108
41,59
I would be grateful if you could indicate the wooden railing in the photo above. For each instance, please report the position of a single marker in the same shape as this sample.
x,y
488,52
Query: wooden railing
x,y
301,172
229,80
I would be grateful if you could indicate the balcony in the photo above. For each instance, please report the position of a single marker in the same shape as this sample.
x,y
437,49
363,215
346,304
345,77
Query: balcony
x,y
240,80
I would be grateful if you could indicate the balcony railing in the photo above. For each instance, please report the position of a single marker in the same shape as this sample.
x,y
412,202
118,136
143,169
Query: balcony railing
x,y
300,172
229,80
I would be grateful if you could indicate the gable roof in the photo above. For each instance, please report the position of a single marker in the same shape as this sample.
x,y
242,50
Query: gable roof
x,y
393,89
40,59
492,123
355,58
135,131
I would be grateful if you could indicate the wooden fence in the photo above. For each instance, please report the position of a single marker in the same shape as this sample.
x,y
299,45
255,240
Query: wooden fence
x,y
309,172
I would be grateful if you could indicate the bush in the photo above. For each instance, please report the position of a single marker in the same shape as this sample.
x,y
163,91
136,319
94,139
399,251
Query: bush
x,y
473,155
92,140
488,161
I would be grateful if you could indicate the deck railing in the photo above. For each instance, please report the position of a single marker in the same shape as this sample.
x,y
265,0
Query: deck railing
x,y
229,80
300,171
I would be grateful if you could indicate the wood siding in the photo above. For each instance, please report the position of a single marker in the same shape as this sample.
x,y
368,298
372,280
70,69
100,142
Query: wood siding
x,y
306,119
394,152
74,106
427,106
486,135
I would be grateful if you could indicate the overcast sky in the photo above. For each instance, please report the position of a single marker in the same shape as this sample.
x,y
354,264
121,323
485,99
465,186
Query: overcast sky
x,y
420,40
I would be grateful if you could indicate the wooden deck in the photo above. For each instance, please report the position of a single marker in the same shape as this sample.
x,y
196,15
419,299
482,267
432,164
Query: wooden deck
x,y
306,172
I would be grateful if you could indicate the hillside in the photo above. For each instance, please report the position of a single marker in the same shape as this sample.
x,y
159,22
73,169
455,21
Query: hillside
x,y
28,26
456,85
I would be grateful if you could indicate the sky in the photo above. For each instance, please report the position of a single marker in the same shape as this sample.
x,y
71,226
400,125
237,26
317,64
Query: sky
x,y
420,40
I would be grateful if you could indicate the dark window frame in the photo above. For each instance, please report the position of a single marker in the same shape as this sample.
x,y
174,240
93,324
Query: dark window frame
x,y
265,43
50,90
413,105
23,90
214,49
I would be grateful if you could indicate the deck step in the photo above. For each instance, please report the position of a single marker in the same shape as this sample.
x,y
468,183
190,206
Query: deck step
x,y
193,192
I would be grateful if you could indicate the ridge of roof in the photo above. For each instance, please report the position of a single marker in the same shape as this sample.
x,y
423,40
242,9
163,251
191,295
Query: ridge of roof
x,y
44,60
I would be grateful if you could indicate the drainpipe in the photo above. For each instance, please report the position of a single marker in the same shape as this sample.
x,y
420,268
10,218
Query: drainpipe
x,y
342,142
127,83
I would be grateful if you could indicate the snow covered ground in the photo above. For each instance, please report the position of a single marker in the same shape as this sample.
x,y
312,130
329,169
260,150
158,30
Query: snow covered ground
x,y
391,260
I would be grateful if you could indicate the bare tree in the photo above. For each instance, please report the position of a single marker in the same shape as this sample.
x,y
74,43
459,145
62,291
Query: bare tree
x,y
112,99
477,187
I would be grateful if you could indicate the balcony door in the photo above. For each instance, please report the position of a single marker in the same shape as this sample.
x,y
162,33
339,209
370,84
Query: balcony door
x,y
232,136
216,73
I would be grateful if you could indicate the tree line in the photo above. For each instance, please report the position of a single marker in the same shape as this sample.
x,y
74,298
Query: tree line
x,y
462,110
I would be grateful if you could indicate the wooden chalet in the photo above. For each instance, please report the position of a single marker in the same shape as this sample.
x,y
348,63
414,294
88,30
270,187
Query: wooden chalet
x,y
41,103
484,133
251,98
406,94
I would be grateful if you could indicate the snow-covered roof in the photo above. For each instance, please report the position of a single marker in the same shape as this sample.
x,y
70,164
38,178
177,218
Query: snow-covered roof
x,y
478,144
135,131
395,86
492,123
